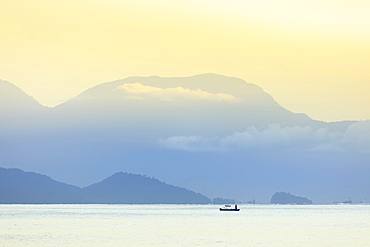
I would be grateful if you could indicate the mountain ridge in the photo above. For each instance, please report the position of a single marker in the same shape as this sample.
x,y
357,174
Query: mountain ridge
x,y
14,101
18,186
131,100
192,82
134,188
161,82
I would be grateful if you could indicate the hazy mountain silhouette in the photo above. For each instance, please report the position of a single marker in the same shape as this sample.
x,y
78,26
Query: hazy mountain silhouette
x,y
17,186
17,109
130,188
207,104
209,133
287,198
14,100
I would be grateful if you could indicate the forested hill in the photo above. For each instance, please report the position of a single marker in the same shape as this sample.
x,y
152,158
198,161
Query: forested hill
x,y
17,186
131,188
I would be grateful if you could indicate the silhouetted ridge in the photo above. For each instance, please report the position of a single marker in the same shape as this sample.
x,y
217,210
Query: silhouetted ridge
x,y
13,99
17,186
286,198
130,188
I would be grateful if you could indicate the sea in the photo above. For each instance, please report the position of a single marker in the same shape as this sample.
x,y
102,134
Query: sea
x,y
183,225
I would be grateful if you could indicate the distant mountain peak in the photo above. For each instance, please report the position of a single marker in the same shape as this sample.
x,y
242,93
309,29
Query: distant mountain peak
x,y
287,198
14,100
215,103
17,186
210,83
133,188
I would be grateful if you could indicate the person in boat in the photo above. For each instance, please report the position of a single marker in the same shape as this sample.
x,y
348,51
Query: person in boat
x,y
236,206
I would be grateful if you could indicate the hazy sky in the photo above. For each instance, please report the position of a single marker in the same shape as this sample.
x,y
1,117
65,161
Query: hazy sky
x,y
312,56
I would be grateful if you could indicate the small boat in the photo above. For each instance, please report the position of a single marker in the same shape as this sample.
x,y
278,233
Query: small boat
x,y
229,208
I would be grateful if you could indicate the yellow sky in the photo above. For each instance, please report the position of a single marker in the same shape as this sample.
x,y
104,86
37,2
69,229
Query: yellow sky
x,y
312,56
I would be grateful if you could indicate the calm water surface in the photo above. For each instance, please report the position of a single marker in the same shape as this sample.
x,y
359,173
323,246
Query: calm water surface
x,y
184,225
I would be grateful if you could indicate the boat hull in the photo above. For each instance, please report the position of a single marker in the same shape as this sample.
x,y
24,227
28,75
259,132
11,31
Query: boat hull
x,y
229,209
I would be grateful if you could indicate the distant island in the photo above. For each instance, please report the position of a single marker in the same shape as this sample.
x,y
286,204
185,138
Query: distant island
x,y
287,198
18,186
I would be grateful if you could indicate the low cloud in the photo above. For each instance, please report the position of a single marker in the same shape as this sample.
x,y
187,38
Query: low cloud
x,y
142,92
356,138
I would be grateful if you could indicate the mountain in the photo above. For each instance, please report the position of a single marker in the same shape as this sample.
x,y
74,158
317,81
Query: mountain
x,y
213,134
15,103
153,107
286,198
17,109
136,189
17,186
13,99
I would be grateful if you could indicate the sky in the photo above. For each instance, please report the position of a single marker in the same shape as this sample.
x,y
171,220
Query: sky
x,y
312,56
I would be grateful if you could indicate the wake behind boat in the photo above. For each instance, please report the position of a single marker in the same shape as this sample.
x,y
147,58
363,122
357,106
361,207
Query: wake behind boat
x,y
229,208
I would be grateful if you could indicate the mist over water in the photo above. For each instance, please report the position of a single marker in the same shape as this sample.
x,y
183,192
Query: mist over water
x,y
184,225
